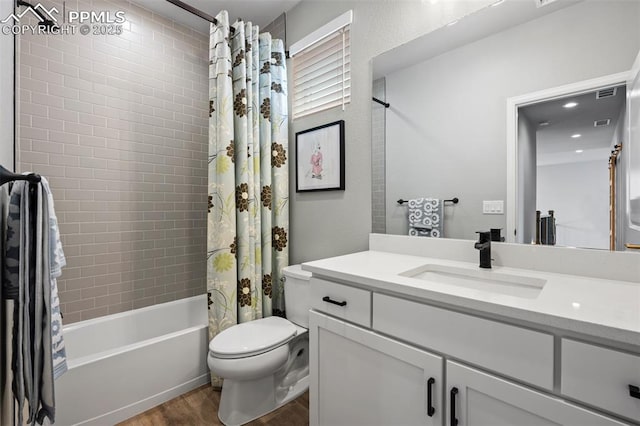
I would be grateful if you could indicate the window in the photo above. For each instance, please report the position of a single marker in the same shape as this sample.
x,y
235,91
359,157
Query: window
x,y
321,68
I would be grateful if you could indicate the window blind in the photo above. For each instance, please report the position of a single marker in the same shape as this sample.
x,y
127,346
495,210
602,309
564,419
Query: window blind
x,y
322,74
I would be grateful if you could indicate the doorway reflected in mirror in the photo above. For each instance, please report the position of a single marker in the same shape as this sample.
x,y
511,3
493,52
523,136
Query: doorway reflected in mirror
x,y
564,146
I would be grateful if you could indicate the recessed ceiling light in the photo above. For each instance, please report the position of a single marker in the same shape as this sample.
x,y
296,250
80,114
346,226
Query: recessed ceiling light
x,y
570,105
576,136
450,24
498,3
579,151
544,123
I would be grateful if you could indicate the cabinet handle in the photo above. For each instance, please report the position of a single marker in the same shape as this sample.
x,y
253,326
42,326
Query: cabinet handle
x,y
452,397
329,300
634,391
430,409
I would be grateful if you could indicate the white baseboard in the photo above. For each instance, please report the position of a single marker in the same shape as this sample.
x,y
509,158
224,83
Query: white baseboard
x,y
124,413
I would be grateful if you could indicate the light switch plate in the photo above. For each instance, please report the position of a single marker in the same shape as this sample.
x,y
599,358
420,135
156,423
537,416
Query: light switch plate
x,y
493,207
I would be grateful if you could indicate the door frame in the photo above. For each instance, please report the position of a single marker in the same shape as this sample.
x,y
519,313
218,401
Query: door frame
x,y
516,102
634,75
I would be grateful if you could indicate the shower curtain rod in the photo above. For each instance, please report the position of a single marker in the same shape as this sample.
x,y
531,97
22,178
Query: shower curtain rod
x,y
44,21
383,103
197,12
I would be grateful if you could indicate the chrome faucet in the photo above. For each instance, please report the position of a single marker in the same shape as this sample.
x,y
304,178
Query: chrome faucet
x,y
484,245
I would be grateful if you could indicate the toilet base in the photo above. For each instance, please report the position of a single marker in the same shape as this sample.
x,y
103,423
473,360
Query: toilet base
x,y
245,397
258,398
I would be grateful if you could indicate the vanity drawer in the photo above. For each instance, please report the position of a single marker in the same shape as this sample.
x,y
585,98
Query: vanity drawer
x,y
601,377
523,354
349,303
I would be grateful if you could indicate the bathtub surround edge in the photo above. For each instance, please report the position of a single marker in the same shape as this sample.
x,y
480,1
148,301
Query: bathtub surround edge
x,y
121,382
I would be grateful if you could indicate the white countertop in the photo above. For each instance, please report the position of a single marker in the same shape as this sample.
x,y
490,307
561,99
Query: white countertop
x,y
600,308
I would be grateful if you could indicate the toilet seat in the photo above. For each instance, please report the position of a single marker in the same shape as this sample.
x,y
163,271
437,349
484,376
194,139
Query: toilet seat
x,y
252,338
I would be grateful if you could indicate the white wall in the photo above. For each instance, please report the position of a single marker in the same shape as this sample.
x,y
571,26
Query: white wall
x,y
6,91
632,153
579,195
337,222
620,136
446,129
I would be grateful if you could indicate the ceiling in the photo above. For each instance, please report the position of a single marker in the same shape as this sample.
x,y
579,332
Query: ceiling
x,y
554,142
260,12
483,23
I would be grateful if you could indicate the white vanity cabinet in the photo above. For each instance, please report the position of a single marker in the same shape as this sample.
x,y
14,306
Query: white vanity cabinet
x,y
349,303
361,378
378,359
477,398
512,351
601,377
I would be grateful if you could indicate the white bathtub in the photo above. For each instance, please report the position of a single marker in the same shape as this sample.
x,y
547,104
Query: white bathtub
x,y
123,364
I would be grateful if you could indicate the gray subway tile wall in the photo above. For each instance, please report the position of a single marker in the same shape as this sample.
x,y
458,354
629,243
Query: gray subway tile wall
x,y
378,156
118,124
277,28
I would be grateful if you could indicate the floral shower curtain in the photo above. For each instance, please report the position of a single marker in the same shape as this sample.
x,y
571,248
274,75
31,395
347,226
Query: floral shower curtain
x,y
248,220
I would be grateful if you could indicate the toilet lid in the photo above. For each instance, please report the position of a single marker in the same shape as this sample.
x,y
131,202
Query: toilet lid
x,y
252,338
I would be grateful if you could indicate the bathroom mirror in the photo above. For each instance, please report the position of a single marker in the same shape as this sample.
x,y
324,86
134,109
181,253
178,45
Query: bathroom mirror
x,y
459,98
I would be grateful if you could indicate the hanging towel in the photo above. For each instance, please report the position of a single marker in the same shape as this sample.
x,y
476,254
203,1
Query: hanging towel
x,y
4,213
16,280
57,261
425,217
27,282
6,319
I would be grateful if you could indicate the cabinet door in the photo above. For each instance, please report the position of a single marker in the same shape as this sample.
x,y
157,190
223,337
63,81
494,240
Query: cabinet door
x,y
480,399
601,377
361,378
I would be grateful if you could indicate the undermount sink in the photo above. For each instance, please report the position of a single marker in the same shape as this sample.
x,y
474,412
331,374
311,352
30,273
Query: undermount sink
x,y
479,279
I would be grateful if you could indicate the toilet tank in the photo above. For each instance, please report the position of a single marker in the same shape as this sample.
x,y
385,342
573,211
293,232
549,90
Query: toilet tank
x,y
296,295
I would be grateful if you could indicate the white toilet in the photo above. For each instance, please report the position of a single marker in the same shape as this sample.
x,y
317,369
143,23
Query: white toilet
x,y
264,363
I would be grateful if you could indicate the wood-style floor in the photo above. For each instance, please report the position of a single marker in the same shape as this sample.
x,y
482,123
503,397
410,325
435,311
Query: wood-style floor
x,y
200,408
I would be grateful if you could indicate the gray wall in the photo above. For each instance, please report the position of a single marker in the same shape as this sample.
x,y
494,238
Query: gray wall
x,y
277,28
526,224
6,91
331,223
446,130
